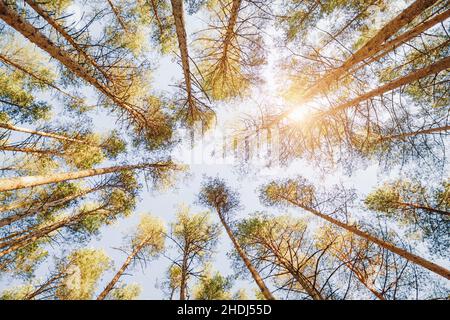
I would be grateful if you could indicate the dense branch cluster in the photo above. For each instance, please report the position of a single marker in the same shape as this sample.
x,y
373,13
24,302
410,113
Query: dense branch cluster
x,y
343,86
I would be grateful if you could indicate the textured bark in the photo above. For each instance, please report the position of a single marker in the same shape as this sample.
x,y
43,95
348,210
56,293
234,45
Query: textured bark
x,y
117,15
236,5
8,184
372,46
423,207
413,76
399,251
402,136
259,281
376,44
27,239
66,36
29,150
178,15
122,269
221,66
405,37
35,209
33,34
42,133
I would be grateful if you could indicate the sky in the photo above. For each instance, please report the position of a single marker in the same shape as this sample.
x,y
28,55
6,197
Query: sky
x,y
164,204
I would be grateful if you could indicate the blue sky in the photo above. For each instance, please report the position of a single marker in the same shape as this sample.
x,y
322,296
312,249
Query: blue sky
x,y
164,204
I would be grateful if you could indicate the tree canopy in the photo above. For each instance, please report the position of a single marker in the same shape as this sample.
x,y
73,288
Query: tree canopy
x,y
224,149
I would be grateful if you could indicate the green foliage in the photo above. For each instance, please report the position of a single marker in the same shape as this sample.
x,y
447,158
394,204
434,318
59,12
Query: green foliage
x,y
216,195
116,48
83,269
17,293
213,287
197,230
288,191
151,230
413,206
126,292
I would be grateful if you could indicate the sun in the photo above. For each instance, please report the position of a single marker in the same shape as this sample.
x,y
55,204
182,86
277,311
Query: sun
x,y
298,114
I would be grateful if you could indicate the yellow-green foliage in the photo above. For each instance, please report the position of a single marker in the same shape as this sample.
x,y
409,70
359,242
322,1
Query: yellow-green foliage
x,y
150,230
213,287
197,228
83,155
27,259
126,292
289,190
83,270
17,293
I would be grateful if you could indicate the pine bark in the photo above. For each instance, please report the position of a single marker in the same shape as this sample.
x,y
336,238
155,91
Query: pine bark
x,y
8,184
371,47
435,68
178,15
259,281
122,269
66,36
42,133
236,5
33,34
35,209
399,251
27,239
405,37
376,44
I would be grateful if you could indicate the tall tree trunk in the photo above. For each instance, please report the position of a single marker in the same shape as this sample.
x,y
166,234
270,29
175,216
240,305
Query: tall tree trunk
x,y
370,48
299,277
117,15
42,133
402,136
403,38
158,20
30,150
33,34
35,209
229,34
122,269
259,281
8,184
60,29
183,280
424,207
399,251
178,15
27,239
46,286
413,76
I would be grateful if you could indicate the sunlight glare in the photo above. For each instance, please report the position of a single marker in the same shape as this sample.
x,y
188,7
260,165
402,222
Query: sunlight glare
x,y
298,114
